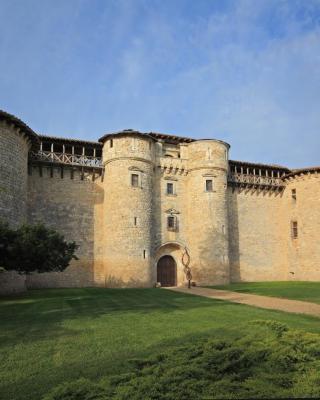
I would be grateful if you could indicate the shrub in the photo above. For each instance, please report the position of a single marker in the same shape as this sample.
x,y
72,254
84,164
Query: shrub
x,y
81,389
34,248
270,361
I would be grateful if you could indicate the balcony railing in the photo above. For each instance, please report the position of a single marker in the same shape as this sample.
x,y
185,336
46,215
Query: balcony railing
x,y
255,180
66,158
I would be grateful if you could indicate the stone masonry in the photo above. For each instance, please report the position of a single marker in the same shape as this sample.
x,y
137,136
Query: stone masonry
x,y
138,204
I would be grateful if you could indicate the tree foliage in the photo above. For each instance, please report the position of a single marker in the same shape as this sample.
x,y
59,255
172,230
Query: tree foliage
x,y
34,248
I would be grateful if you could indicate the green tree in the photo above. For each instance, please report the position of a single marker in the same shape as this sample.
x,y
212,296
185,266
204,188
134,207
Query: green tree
x,y
34,248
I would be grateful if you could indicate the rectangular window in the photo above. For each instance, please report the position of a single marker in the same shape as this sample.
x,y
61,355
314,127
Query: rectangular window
x,y
169,188
171,223
294,229
134,180
135,220
111,142
144,254
294,194
209,185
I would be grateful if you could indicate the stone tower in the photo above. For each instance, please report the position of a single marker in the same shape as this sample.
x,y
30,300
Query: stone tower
x,y
15,142
128,159
207,211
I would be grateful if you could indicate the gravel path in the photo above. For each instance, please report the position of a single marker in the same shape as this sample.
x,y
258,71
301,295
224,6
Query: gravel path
x,y
273,303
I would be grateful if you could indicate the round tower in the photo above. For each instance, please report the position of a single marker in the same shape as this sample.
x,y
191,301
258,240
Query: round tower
x,y
129,167
15,141
207,211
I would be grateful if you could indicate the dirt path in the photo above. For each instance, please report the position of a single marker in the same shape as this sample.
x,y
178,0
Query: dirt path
x,y
273,303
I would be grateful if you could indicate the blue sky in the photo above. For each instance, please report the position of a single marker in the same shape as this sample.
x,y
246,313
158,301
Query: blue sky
x,y
245,71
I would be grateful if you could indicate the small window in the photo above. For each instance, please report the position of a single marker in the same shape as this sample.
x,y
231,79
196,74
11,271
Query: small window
x,y
172,224
169,188
111,142
135,221
144,254
223,229
209,185
134,180
294,194
294,229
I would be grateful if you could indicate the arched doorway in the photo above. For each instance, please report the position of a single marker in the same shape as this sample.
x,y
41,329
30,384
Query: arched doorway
x,y
167,271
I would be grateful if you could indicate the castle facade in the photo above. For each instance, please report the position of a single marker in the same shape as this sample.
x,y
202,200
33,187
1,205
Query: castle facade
x,y
144,206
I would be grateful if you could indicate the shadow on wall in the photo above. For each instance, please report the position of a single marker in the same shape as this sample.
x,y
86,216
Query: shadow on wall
x,y
68,205
114,282
213,267
234,248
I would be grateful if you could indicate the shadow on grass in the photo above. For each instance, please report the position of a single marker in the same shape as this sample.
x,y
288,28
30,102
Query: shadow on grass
x,y
40,314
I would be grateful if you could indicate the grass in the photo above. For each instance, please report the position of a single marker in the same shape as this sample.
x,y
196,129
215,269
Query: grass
x,y
48,337
305,291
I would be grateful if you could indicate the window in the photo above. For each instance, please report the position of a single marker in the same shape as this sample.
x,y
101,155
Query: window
x,y
169,188
172,223
135,221
223,229
294,229
144,254
134,180
294,194
209,185
111,142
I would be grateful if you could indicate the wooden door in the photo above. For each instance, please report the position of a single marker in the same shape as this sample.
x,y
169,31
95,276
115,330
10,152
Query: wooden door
x,y
167,271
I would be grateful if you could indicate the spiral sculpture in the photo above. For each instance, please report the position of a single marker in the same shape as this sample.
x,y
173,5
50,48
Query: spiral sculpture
x,y
185,262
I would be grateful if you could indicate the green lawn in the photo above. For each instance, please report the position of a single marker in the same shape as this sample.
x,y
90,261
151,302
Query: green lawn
x,y
305,291
53,336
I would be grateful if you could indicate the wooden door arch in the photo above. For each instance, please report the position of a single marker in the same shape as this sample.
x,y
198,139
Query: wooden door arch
x,y
167,271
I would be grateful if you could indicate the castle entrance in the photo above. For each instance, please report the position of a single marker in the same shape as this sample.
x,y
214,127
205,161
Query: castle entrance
x,y
167,271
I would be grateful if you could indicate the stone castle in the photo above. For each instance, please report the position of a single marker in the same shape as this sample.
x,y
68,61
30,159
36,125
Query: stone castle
x,y
138,204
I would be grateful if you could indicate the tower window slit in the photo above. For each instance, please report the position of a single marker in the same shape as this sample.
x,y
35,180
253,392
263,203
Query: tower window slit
x,y
134,180
294,229
209,185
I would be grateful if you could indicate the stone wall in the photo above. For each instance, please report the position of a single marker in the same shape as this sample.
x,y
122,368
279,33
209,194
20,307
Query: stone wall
x,y
303,252
256,235
13,177
207,212
12,283
128,211
70,203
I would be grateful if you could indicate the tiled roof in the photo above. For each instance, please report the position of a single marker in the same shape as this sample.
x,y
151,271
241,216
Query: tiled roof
x,y
259,165
4,116
69,140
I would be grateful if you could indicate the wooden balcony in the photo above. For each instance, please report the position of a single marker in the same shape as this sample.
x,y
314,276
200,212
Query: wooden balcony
x,y
66,158
255,181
